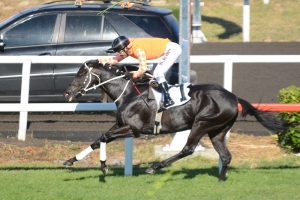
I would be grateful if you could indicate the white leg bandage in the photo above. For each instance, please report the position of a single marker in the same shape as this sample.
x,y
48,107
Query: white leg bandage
x,y
102,151
84,153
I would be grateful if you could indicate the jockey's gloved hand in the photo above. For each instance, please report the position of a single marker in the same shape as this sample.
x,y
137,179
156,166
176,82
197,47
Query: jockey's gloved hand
x,y
128,75
92,62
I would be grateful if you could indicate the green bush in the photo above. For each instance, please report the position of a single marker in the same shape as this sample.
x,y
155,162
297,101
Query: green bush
x,y
291,139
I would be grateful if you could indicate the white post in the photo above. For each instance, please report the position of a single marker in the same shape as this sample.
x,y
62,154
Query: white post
x,y
198,36
24,100
266,1
128,156
184,41
228,69
184,62
246,21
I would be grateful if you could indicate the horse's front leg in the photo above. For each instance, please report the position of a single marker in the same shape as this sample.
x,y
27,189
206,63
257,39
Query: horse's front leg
x,y
114,133
122,132
87,151
82,154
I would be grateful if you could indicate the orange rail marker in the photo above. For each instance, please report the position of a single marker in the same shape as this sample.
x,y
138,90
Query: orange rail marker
x,y
275,107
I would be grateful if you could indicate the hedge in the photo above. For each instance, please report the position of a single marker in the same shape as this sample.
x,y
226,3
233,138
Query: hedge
x,y
291,139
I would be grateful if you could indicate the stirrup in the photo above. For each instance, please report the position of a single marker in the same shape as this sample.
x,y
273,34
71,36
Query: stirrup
x,y
163,107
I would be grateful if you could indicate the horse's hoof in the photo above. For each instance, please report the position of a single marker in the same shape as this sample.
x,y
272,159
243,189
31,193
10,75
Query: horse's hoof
x,y
222,179
150,170
104,170
67,164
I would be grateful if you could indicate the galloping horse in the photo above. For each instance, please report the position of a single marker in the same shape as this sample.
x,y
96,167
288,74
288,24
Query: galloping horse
x,y
211,110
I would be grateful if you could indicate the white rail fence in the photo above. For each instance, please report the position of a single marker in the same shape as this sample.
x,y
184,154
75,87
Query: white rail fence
x,y
24,107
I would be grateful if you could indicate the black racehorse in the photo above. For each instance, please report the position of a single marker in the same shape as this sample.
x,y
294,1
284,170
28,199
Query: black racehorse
x,y
211,110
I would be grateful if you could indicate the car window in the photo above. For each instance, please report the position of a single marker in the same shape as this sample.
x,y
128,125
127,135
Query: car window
x,y
152,25
109,33
80,28
31,31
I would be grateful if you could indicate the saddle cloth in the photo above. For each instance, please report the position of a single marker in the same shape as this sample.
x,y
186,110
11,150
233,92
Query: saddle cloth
x,y
178,93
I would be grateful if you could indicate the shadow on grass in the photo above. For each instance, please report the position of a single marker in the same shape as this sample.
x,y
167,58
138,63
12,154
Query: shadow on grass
x,y
231,28
140,171
118,171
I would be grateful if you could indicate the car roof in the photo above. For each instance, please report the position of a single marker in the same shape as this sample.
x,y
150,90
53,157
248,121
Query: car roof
x,y
64,5
103,5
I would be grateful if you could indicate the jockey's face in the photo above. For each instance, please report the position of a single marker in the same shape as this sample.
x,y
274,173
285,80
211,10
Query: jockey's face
x,y
124,52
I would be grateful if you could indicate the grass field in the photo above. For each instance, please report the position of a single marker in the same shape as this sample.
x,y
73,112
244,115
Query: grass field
x,y
222,21
259,170
194,179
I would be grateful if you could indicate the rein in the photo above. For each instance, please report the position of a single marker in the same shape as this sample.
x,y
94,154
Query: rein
x,y
137,90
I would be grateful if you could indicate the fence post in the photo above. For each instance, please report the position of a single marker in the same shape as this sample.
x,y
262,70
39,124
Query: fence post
x,y
198,35
128,156
246,21
24,99
227,84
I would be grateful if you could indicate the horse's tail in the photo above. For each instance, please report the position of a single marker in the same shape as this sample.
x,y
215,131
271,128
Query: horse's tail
x,y
265,118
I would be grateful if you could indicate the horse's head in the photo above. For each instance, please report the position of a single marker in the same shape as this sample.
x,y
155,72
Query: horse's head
x,y
88,77
84,80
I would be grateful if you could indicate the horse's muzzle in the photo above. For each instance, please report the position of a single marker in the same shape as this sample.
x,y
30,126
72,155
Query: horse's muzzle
x,y
68,97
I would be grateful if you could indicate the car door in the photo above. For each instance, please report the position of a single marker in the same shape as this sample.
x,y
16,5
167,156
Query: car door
x,y
81,34
32,35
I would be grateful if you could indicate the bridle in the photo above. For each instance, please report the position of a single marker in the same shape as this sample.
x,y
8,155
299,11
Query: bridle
x,y
88,79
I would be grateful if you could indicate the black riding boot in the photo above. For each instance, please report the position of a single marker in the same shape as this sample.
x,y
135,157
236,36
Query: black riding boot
x,y
167,99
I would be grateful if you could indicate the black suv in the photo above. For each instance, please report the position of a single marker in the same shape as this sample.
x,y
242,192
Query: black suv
x,y
63,29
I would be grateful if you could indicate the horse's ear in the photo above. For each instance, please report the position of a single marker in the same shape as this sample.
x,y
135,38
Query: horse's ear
x,y
92,63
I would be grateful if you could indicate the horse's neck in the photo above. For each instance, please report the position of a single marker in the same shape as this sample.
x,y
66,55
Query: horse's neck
x,y
114,88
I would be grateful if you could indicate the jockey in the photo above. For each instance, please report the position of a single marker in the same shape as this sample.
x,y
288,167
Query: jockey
x,y
147,49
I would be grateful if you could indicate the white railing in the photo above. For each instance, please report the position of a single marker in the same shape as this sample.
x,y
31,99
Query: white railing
x,y
24,107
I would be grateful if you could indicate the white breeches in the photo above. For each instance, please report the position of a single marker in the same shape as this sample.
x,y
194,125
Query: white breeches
x,y
171,53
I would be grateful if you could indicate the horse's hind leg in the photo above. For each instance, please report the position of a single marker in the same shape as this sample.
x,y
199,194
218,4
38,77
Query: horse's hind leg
x,y
197,132
217,139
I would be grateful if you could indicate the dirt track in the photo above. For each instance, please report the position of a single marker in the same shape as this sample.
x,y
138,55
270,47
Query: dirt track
x,y
253,82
